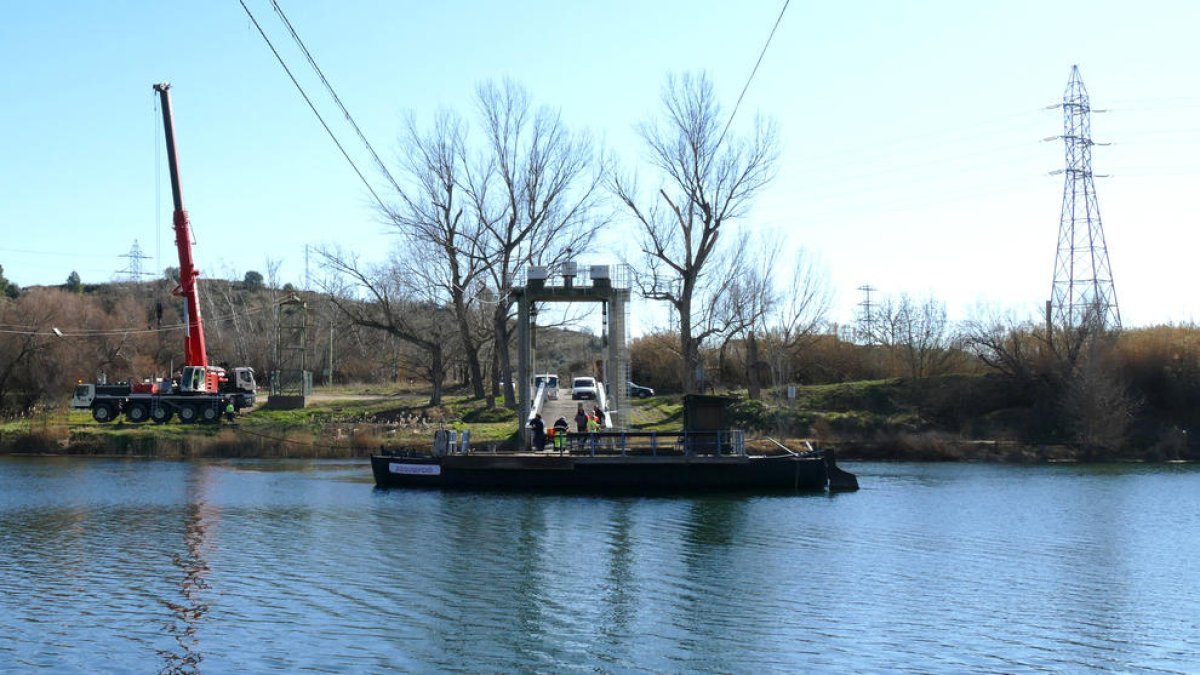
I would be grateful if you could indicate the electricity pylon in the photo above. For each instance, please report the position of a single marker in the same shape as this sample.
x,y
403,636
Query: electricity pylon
x,y
1083,294
134,271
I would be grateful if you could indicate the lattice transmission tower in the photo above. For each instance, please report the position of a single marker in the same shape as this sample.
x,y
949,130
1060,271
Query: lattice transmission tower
x,y
1083,292
866,319
134,271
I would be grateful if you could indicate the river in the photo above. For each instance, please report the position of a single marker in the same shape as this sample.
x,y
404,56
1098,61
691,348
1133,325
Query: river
x,y
248,566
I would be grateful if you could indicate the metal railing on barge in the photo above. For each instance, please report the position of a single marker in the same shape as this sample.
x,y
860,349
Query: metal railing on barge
x,y
726,443
729,443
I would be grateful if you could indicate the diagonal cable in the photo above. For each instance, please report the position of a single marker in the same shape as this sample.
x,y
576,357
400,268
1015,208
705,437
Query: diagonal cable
x,y
757,63
311,106
329,87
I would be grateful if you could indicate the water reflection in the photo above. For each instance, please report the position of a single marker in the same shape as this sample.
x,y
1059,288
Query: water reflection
x,y
938,568
620,591
190,608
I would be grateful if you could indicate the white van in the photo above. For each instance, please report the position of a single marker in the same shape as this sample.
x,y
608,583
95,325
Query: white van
x,y
584,387
551,381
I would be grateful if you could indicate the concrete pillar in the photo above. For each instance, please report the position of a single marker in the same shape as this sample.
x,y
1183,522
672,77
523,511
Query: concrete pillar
x,y
614,372
523,357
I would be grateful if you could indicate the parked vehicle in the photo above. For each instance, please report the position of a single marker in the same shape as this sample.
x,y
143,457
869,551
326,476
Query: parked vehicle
x,y
638,391
201,391
551,381
583,387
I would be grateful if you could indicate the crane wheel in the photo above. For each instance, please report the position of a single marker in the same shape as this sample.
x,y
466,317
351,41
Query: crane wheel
x,y
161,414
104,413
210,415
188,413
137,413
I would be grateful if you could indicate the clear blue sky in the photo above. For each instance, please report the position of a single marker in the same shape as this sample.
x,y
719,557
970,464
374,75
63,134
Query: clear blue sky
x,y
912,131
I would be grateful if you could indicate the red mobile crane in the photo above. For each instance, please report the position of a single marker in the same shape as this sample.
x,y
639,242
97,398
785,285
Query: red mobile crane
x,y
203,390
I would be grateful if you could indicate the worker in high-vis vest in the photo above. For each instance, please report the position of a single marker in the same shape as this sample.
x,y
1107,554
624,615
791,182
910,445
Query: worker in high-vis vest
x,y
559,439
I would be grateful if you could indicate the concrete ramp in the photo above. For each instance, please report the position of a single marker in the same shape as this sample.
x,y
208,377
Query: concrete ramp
x,y
564,407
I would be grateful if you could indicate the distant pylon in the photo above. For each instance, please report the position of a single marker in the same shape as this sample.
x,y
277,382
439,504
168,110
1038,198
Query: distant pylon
x,y
135,262
866,320
1083,291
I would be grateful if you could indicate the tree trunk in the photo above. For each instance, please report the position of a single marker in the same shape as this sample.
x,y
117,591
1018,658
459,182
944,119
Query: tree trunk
x,y
689,349
437,373
470,348
494,388
502,360
753,382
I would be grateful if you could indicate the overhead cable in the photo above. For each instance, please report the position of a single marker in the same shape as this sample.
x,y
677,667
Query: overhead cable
x,y
336,99
761,54
311,105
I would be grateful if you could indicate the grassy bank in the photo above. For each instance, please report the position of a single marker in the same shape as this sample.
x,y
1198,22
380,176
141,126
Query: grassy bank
x,y
338,425
951,419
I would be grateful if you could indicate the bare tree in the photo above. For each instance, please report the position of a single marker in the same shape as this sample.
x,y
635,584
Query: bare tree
x,y
1071,344
535,192
797,316
1004,343
435,218
749,298
1096,402
39,364
918,335
30,318
933,345
708,180
393,303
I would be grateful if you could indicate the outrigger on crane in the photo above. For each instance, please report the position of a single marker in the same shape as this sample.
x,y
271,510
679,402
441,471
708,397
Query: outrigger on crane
x,y
202,391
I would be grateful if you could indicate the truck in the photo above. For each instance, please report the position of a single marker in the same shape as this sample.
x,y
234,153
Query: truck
x,y
201,391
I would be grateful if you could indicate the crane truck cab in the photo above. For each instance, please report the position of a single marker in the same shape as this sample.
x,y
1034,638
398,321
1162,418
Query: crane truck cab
x,y
243,380
214,380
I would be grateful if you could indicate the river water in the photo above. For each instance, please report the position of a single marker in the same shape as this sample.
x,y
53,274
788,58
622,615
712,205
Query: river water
x,y
250,566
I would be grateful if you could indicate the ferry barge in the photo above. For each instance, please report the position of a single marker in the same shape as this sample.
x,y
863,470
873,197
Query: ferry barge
x,y
617,462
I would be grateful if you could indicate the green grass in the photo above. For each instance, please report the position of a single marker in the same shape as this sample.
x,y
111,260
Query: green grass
x,y
353,426
658,413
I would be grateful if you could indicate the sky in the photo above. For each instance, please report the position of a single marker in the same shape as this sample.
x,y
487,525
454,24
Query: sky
x,y
914,152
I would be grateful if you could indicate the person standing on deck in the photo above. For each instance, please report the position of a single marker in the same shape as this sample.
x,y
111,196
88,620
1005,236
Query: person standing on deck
x,y
581,419
539,432
593,426
560,433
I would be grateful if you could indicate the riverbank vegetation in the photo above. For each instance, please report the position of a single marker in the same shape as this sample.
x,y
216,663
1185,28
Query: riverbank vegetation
x,y
991,389
481,197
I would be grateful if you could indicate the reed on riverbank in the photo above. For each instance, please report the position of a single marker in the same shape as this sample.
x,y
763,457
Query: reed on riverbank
x,y
332,429
952,419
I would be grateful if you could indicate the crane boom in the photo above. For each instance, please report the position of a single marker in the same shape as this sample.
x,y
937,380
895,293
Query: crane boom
x,y
197,392
194,351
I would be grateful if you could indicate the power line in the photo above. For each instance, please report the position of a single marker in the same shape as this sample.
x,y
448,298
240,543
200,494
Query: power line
x,y
761,54
329,87
9,328
65,254
311,105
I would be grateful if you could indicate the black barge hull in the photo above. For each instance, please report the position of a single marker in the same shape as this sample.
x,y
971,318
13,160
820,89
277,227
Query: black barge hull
x,y
623,474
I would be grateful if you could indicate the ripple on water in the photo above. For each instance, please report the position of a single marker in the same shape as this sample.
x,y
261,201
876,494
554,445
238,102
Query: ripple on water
x,y
137,567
